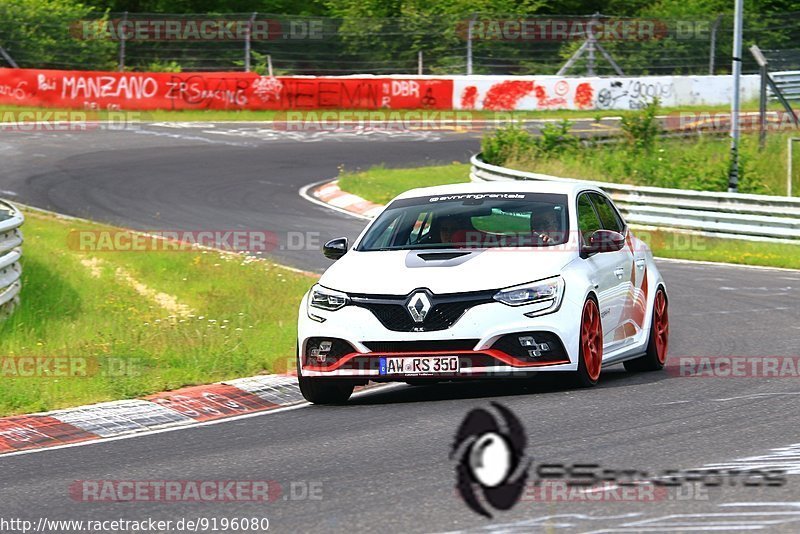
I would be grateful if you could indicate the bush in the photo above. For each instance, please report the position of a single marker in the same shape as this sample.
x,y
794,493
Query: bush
x,y
641,128
505,143
514,143
163,66
555,139
48,34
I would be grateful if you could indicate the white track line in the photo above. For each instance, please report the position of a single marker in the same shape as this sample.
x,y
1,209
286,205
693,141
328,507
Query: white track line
x,y
304,193
731,265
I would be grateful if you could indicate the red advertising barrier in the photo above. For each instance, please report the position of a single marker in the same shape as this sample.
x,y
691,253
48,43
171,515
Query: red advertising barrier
x,y
216,90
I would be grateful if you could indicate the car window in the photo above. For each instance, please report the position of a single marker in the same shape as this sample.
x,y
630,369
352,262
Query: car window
x,y
421,227
503,222
384,235
588,222
470,220
608,215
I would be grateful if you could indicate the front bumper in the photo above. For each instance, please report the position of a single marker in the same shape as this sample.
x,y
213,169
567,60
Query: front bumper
x,y
485,339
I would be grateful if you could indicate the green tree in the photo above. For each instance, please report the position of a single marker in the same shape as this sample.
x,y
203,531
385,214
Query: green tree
x,y
46,33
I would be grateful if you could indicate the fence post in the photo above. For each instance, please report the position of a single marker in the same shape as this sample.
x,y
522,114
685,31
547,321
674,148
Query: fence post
x,y
789,166
469,44
247,32
762,108
419,62
590,48
713,52
10,60
736,69
122,42
762,97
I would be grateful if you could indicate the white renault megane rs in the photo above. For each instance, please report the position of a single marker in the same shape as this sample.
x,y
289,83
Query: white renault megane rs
x,y
489,280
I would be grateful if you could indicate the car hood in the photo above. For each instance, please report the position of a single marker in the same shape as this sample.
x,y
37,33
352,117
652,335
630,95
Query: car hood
x,y
400,272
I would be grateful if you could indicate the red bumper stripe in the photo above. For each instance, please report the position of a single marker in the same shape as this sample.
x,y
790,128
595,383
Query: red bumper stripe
x,y
493,353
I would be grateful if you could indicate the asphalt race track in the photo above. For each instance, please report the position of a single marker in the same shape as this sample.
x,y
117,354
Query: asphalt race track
x,y
382,461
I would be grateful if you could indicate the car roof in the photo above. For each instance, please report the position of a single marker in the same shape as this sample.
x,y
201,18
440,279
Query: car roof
x,y
570,188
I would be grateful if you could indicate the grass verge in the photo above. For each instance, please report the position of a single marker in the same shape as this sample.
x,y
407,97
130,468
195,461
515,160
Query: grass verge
x,y
380,185
700,163
140,322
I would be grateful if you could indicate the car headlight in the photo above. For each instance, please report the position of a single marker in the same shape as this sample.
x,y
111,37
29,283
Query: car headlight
x,y
325,299
548,293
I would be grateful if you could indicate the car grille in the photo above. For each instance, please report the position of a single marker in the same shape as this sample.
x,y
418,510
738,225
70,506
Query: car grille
x,y
455,345
445,310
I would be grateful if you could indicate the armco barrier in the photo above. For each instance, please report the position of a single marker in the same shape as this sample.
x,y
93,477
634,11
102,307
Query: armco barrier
x,y
10,252
789,83
728,215
246,90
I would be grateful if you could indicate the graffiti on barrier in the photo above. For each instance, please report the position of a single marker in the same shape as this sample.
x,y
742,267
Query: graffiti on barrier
x,y
16,91
203,91
267,89
633,94
513,94
218,90
242,90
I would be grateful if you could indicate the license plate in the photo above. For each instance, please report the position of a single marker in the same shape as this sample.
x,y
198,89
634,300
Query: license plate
x,y
419,365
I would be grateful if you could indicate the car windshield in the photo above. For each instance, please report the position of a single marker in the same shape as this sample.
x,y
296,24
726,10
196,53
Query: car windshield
x,y
470,220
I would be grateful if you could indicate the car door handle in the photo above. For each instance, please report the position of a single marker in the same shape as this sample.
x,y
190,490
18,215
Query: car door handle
x,y
640,263
619,272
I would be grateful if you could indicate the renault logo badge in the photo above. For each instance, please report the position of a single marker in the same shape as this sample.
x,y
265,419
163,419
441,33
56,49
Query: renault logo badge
x,y
418,306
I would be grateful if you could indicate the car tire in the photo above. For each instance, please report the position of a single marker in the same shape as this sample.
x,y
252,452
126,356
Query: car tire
x,y
324,390
590,357
655,357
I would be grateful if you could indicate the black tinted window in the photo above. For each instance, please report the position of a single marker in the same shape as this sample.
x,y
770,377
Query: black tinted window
x,y
588,222
608,215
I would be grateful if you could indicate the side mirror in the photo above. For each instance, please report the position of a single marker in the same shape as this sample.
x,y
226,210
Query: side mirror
x,y
335,248
603,241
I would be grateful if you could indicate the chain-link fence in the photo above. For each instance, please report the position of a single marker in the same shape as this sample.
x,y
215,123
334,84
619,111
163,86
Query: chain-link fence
x,y
477,44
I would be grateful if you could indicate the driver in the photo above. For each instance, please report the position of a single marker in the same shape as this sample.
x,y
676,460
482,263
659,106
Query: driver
x,y
448,227
546,224
453,229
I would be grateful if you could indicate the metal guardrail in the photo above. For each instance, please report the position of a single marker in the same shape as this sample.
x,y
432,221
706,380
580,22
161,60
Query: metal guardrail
x,y
788,82
727,215
10,253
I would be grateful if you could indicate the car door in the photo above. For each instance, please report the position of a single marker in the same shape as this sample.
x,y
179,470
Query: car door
x,y
620,328
601,268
